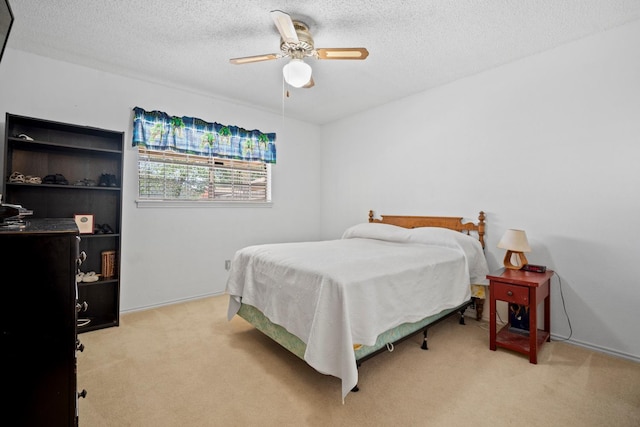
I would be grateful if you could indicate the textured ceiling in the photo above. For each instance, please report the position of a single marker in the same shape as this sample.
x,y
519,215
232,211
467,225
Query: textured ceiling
x,y
414,45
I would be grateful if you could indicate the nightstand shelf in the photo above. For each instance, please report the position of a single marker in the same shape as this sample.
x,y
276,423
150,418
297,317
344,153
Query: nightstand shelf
x,y
527,289
517,341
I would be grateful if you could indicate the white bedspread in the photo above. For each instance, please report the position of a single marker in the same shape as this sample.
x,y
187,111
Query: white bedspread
x,y
334,294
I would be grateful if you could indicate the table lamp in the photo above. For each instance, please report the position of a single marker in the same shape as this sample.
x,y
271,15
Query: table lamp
x,y
516,243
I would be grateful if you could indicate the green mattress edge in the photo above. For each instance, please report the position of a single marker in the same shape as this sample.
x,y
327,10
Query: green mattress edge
x,y
296,346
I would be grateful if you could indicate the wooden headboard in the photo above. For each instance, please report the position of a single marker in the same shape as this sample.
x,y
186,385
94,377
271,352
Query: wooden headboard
x,y
451,222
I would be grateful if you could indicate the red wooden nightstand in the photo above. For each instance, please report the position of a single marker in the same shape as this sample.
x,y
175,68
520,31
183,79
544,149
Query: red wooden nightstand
x,y
524,288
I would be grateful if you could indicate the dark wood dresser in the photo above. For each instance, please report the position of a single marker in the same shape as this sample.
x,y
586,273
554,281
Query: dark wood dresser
x,y
39,323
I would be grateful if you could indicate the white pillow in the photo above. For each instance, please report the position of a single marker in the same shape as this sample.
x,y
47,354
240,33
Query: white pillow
x,y
374,230
435,236
438,236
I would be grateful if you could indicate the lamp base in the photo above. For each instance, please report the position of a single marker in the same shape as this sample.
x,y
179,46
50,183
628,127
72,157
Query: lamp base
x,y
522,260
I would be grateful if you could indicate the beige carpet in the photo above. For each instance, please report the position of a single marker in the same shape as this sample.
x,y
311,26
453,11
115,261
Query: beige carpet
x,y
186,365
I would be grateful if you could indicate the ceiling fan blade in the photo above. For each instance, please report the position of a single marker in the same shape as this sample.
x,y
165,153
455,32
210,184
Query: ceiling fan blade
x,y
256,58
310,84
285,26
342,53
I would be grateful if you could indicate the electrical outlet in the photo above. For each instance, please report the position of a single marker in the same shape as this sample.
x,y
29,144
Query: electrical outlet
x,y
227,264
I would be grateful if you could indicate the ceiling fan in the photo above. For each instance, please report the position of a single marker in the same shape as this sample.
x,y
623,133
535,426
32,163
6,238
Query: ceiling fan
x,y
296,43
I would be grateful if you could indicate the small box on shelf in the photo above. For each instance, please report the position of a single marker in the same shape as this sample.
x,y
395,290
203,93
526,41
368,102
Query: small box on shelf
x,y
84,223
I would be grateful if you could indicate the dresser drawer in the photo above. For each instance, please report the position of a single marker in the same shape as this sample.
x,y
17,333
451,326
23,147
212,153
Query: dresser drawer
x,y
511,293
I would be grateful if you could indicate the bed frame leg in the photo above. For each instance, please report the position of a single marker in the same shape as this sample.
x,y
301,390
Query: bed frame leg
x,y
424,342
462,316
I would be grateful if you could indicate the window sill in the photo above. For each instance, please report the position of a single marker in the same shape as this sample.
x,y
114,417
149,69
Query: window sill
x,y
200,204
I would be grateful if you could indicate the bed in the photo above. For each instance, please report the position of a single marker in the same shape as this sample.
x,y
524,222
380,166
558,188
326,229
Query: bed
x,y
336,303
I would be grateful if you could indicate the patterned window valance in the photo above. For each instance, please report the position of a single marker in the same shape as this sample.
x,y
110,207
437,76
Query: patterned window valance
x,y
156,130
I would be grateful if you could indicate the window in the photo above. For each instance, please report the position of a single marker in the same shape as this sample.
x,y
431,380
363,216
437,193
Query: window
x,y
188,160
167,175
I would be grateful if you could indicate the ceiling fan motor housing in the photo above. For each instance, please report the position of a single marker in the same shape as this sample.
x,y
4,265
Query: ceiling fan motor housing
x,y
304,47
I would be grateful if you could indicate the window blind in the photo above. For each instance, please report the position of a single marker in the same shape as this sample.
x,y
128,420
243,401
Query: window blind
x,y
167,175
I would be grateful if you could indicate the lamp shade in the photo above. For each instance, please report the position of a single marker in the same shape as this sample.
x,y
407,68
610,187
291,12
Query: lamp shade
x,y
515,240
297,73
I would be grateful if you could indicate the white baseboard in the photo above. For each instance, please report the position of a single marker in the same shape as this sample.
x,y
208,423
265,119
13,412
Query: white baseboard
x,y
597,348
177,301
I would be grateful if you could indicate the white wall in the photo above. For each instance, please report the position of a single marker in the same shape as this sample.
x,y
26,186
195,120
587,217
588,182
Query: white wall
x,y
550,144
171,254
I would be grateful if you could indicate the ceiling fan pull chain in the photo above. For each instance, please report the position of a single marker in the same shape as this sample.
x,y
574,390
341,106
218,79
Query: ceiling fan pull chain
x,y
285,94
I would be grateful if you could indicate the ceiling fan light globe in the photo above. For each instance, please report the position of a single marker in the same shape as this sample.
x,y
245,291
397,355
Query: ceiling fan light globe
x,y
297,73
